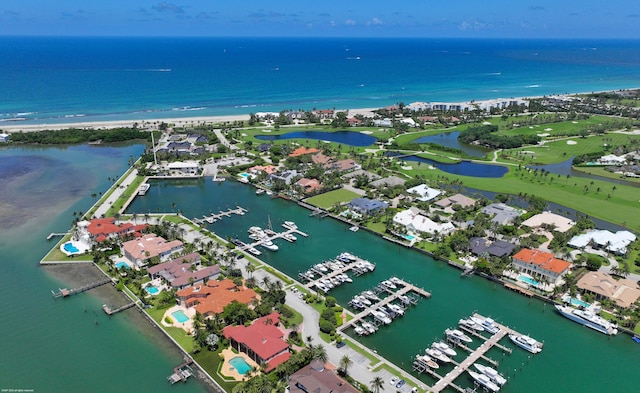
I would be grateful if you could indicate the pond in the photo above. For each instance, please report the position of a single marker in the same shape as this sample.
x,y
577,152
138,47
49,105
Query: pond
x,y
566,168
450,139
350,138
464,168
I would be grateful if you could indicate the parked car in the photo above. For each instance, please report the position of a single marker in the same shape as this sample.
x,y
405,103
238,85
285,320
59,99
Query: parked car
x,y
394,380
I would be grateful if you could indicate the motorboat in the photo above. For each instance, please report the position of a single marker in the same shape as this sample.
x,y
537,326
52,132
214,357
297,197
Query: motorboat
x,y
289,237
290,225
487,323
588,319
404,299
356,303
144,187
484,381
388,284
371,296
468,323
354,228
321,287
255,229
368,326
444,348
370,266
396,280
260,191
493,374
253,251
526,342
457,335
363,300
359,330
347,257
382,317
436,354
427,361
320,267
396,309
268,244
269,192
345,278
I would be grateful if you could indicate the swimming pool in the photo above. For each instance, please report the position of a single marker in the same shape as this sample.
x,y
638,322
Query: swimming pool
x,y
180,316
69,247
152,290
528,280
244,174
122,264
408,237
241,366
578,302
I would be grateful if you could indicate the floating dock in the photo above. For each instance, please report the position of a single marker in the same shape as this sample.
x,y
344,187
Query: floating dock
x,y
181,373
64,292
240,211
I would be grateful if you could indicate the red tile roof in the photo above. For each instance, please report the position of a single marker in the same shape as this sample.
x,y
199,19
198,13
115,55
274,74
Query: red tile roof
x,y
103,228
545,260
303,150
309,185
262,337
215,295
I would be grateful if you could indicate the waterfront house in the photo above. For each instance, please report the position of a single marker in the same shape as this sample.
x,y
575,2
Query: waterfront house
x,y
211,298
342,166
623,292
301,151
541,265
367,206
268,169
500,213
390,181
424,193
413,221
458,199
309,186
361,172
4,138
321,159
101,229
285,176
140,251
262,341
546,218
481,246
184,271
386,122
315,378
616,243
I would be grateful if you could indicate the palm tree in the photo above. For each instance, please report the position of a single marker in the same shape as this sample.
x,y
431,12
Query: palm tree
x,y
250,269
376,384
319,352
345,363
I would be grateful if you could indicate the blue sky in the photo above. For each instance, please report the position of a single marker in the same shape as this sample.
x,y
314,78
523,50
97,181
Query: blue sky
x,y
329,18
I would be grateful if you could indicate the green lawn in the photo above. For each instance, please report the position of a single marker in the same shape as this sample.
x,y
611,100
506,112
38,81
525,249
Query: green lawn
x,y
329,199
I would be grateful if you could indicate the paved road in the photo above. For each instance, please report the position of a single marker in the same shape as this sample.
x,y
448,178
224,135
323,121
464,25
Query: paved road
x,y
116,194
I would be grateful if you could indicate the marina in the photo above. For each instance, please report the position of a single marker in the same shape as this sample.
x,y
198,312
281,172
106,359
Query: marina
x,y
333,273
421,365
213,217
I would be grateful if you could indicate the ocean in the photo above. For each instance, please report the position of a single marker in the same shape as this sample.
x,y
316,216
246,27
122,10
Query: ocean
x,y
70,345
64,79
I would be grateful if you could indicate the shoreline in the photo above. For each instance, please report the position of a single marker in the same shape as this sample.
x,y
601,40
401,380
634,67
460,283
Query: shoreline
x,y
19,126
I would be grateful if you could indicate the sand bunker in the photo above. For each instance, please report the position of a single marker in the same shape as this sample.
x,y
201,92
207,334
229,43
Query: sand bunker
x,y
572,143
266,130
407,168
548,129
366,132
486,123
543,135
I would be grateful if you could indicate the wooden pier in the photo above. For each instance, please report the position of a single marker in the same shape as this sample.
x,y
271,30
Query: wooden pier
x,y
64,292
393,295
240,211
181,372
109,311
53,234
474,355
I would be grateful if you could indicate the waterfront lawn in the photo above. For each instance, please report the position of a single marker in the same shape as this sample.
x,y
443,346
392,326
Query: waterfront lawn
x,y
178,334
285,279
331,198
360,350
211,362
377,227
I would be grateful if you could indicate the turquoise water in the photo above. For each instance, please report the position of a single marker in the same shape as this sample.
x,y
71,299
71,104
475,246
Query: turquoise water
x,y
350,138
528,280
74,346
152,290
241,366
180,316
69,247
408,237
121,265
179,77
453,298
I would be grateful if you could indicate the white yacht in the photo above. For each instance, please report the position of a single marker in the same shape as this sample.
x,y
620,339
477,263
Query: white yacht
x,y
255,229
436,354
404,299
144,187
355,303
354,228
526,342
382,317
488,324
321,287
289,237
359,330
253,251
484,381
260,191
388,284
345,278
268,244
369,327
290,225
269,192
320,267
588,319
457,335
371,296
363,300
470,324
396,280
443,347
396,309
493,374
426,360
